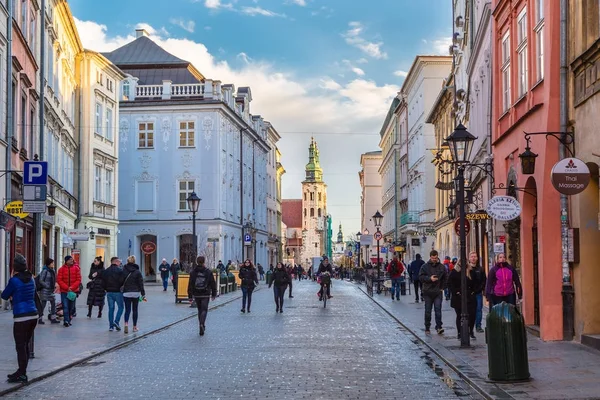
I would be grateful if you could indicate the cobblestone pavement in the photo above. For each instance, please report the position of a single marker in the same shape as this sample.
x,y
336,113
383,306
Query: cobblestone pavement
x,y
350,350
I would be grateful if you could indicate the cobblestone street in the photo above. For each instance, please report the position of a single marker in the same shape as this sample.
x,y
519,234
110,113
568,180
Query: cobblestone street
x,y
351,350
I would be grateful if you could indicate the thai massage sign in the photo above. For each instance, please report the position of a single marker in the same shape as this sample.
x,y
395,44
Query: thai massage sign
x,y
503,208
570,176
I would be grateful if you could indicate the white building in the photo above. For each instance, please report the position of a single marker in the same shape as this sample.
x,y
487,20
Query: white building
x,y
179,133
370,183
421,87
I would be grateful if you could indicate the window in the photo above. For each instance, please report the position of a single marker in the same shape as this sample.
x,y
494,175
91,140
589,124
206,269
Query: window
x,y
539,40
24,17
312,196
145,196
108,187
506,72
304,200
305,211
312,212
126,89
23,122
319,196
185,189
97,76
98,127
522,51
186,134
146,135
32,24
109,123
319,213
98,184
539,10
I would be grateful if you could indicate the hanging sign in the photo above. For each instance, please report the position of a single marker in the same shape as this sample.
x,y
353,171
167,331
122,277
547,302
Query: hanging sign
x,y
15,208
457,226
148,247
503,208
570,176
498,248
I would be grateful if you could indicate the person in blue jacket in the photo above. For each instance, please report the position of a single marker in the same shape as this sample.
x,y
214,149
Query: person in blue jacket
x,y
21,287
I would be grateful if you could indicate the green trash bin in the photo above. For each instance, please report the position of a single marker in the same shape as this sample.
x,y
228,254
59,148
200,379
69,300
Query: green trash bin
x,y
269,277
506,340
231,278
224,281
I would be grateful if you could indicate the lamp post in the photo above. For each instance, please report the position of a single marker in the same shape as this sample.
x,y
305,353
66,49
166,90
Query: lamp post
x,y
377,220
193,202
461,144
358,235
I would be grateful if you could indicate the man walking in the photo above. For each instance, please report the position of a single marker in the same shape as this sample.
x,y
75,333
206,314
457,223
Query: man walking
x,y
261,271
202,287
434,277
414,270
113,279
69,279
164,268
395,269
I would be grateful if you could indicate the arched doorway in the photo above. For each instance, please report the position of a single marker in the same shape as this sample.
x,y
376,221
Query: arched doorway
x,y
513,233
186,251
148,259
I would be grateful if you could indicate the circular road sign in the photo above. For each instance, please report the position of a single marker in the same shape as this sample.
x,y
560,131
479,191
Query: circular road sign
x,y
378,236
457,226
570,176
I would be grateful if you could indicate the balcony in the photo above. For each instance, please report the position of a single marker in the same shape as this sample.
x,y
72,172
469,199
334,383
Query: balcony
x,y
168,90
411,217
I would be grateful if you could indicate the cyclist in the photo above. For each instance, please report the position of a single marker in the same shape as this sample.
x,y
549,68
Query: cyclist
x,y
325,272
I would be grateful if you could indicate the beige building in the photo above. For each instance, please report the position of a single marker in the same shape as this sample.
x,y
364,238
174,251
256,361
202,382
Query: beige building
x,y
314,206
370,202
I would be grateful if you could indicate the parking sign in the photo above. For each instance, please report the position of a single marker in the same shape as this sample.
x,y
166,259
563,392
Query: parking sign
x,y
35,173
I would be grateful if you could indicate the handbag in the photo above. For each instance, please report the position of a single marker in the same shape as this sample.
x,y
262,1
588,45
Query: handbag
x,y
122,289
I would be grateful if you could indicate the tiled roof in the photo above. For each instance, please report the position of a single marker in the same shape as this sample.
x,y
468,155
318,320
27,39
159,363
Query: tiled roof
x,y
143,51
155,76
291,212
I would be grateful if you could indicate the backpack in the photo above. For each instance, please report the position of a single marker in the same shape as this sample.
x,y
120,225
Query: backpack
x,y
395,270
38,283
201,283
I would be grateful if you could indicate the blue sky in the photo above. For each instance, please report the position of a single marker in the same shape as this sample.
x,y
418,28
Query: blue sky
x,y
323,68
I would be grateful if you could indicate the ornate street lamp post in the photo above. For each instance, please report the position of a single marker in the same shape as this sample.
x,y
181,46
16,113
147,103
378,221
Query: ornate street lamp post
x,y
358,235
377,220
193,202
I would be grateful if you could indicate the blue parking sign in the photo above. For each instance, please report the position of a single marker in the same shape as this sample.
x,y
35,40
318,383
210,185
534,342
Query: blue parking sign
x,y
35,173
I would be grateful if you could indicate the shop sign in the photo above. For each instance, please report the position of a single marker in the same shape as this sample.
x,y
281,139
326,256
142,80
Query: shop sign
x,y
399,249
78,234
504,208
498,248
15,208
457,226
103,231
148,247
570,176
479,215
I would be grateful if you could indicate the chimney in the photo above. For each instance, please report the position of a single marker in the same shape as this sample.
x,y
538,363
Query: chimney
x,y
141,32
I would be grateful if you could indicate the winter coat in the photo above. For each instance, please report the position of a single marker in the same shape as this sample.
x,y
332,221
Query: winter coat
x,y
164,270
281,277
175,268
112,279
415,269
248,277
325,268
134,281
22,290
261,269
97,293
399,272
211,284
454,286
503,281
479,278
69,278
48,282
429,269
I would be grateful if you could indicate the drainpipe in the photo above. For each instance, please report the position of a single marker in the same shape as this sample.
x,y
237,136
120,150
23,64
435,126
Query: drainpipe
x,y
568,293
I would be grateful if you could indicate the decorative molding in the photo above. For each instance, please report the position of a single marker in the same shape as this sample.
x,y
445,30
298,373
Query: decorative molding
x,y
123,134
186,159
166,132
145,160
207,126
146,231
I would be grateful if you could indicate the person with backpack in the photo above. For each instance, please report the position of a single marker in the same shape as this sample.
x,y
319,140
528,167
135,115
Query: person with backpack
x,y
202,287
249,281
414,269
396,270
503,283
280,281
133,292
69,279
45,284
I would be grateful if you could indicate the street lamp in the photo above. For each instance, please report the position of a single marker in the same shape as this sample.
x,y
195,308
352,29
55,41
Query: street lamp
x,y
528,159
193,203
377,220
358,235
461,145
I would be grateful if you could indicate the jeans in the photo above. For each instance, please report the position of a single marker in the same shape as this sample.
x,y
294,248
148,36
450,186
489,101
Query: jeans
x,y
131,303
165,281
447,293
510,299
417,284
291,288
278,292
202,303
68,307
247,294
479,309
23,332
52,301
114,297
262,276
436,302
396,288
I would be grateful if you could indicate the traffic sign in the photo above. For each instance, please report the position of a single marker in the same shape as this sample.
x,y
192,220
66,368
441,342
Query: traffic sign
x,y
35,173
349,254
384,250
35,192
457,226
378,235
34,206
247,239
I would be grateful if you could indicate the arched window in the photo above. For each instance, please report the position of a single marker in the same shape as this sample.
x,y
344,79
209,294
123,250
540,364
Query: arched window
x,y
312,196
319,212
305,212
305,198
312,212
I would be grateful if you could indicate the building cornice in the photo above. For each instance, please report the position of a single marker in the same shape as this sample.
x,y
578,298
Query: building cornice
x,y
483,34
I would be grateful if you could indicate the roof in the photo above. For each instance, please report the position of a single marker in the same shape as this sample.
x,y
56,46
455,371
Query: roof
x,y
143,51
291,212
156,76
388,117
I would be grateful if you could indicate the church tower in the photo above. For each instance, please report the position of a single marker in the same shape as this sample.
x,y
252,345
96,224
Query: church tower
x,y
340,237
314,207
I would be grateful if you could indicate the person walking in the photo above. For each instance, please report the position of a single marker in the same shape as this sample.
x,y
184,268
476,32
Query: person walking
x,y
21,288
396,270
96,292
164,269
261,271
479,279
503,284
48,286
202,287
434,278
69,279
112,281
249,281
133,292
454,285
414,270
280,281
290,271
175,269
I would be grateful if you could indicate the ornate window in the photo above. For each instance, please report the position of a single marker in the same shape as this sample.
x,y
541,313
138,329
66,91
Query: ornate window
x,y
146,135
186,134
185,189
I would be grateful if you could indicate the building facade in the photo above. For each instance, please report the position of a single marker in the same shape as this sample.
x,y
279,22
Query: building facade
x,y
179,133
371,198
291,215
273,198
4,145
389,171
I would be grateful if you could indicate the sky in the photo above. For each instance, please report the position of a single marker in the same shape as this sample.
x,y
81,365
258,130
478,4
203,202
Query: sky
x,y
322,68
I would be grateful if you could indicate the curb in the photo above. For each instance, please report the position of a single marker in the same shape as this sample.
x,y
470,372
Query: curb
x,y
125,343
503,394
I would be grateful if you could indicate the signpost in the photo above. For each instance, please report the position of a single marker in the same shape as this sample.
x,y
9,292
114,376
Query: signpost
x,y
570,176
247,239
457,226
504,208
378,235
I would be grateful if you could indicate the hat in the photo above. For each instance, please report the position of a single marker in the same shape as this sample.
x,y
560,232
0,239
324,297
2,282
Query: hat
x,y
19,263
67,258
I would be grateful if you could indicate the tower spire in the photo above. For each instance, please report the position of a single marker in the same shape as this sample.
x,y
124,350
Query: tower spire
x,y
314,173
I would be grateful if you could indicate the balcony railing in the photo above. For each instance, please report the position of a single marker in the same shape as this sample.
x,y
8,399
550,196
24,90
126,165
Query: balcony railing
x,y
149,91
186,90
411,217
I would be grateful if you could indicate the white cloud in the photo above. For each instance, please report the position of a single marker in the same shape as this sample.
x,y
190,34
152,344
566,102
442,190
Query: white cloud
x,y
330,84
299,2
214,4
358,71
401,73
207,28
183,24
439,46
362,61
353,37
252,11
244,57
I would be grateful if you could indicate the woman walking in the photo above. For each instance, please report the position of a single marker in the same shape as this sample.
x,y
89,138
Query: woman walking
x,y
48,287
175,269
503,283
280,281
96,292
249,281
456,299
21,287
133,292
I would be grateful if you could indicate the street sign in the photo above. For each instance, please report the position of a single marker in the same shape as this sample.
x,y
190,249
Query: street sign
x,y
35,173
366,240
79,234
570,176
457,226
357,247
378,235
15,208
247,239
504,208
399,249
384,250
34,206
502,239
498,248
35,192
349,254
478,215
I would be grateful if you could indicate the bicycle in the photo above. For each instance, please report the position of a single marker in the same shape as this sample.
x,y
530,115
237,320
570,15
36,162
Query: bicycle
x,y
325,279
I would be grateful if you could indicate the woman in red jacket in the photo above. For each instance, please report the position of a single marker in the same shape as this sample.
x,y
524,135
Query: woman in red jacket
x,y
69,279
